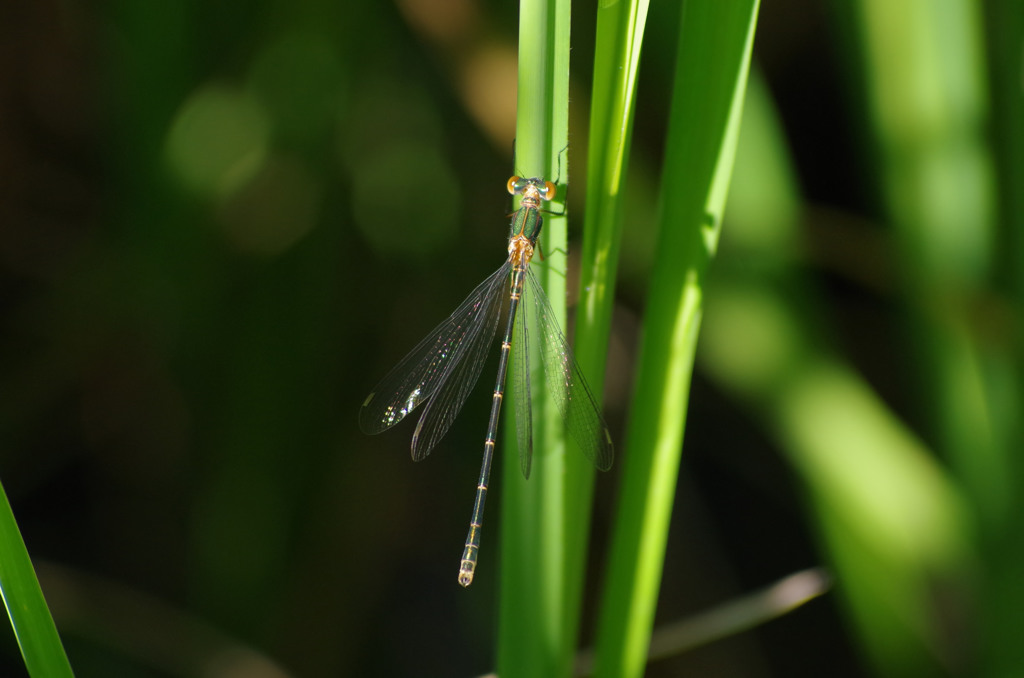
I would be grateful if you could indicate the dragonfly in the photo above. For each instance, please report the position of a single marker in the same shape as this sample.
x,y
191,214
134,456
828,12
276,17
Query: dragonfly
x,y
443,368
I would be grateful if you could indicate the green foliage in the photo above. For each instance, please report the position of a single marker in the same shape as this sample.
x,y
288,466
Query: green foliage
x,y
26,607
534,638
703,129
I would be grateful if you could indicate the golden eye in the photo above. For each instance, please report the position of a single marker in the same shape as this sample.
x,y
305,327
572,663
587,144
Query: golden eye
x,y
549,191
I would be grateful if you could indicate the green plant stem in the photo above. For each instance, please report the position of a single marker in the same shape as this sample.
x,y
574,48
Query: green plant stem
x,y
715,44
620,28
532,635
30,617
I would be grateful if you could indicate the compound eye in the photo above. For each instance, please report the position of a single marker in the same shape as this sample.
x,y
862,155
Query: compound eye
x,y
513,185
549,191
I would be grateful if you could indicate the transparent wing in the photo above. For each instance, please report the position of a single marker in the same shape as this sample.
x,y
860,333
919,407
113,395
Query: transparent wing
x,y
521,384
423,372
463,370
566,384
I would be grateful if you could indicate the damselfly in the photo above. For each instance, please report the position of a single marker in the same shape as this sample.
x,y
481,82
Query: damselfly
x,y
443,368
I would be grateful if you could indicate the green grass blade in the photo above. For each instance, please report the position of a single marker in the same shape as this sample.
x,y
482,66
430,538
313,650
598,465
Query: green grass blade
x,y
715,44
532,638
30,617
620,28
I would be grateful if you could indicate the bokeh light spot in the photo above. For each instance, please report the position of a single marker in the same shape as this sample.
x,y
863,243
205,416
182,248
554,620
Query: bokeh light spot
x,y
218,140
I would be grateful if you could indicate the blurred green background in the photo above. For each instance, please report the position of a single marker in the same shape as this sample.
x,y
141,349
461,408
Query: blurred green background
x,y
221,222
